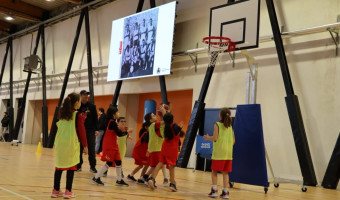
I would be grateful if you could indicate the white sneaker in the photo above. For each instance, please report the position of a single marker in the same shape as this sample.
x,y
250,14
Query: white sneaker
x,y
224,195
213,193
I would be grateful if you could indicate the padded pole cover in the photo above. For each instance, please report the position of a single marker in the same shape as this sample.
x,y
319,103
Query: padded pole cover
x,y
332,175
301,143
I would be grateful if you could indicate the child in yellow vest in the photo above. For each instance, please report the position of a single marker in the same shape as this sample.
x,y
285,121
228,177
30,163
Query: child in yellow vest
x,y
222,156
122,140
71,130
156,138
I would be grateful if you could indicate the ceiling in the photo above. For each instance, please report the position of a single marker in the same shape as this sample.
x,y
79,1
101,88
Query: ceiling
x,y
26,13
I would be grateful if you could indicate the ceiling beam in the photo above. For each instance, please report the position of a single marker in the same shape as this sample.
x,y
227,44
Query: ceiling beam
x,y
22,10
4,26
74,1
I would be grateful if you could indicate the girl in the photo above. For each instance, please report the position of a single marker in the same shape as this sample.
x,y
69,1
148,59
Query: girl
x,y
66,145
122,141
139,153
156,133
222,156
169,152
110,152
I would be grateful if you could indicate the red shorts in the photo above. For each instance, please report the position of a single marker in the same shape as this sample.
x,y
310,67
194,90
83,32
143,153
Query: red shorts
x,y
74,168
154,158
141,162
168,160
221,165
111,156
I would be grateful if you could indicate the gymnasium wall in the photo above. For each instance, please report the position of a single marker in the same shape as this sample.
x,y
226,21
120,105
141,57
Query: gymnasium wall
x,y
311,58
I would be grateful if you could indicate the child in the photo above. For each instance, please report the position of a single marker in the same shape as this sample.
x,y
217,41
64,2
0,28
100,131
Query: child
x,y
223,141
140,150
169,152
122,140
66,145
110,152
156,133
139,153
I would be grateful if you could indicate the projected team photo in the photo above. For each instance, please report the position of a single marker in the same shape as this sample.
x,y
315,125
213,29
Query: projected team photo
x,y
139,45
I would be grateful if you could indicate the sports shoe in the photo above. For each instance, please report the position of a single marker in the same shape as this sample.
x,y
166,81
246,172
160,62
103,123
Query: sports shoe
x,y
93,170
224,195
131,178
56,193
173,187
97,181
141,181
152,183
166,181
105,173
213,193
79,170
69,195
121,183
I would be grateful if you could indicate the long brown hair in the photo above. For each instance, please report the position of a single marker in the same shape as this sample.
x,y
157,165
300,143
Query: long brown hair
x,y
225,117
65,112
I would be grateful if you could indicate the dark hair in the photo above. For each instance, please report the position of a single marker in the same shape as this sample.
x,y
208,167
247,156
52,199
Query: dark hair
x,y
120,118
147,117
6,113
225,117
144,128
65,112
101,110
112,110
168,119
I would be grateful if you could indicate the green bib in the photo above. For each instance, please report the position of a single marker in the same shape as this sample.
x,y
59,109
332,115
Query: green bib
x,y
122,146
66,144
223,147
155,142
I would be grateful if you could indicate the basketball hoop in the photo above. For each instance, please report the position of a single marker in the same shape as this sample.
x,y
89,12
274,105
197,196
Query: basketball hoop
x,y
218,44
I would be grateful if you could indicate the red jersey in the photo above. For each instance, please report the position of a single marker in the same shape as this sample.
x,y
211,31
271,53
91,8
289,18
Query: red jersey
x,y
140,149
170,147
110,144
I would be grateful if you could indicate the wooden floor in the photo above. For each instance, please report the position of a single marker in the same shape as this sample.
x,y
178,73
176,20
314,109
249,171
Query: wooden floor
x,y
27,175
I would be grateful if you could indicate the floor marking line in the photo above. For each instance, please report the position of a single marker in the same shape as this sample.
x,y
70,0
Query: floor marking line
x,y
19,195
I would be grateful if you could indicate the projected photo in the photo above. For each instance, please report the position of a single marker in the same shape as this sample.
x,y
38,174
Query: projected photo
x,y
139,45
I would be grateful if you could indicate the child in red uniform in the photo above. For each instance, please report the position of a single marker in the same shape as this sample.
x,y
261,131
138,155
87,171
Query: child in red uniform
x,y
110,152
156,133
139,153
169,152
71,130
223,142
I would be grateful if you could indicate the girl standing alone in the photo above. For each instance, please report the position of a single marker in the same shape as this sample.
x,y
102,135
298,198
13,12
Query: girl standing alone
x,y
222,156
71,130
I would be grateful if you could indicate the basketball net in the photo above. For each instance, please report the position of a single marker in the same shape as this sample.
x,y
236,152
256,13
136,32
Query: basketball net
x,y
218,45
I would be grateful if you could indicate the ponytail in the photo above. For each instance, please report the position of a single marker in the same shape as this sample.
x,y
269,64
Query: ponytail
x,y
65,112
168,120
225,117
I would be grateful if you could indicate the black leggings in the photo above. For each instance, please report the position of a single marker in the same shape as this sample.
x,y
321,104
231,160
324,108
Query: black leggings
x,y
69,179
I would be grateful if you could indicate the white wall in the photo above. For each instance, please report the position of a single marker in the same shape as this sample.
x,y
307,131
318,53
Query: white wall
x,y
311,58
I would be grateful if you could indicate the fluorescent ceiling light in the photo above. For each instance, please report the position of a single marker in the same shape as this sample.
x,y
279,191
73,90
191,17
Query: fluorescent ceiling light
x,y
9,18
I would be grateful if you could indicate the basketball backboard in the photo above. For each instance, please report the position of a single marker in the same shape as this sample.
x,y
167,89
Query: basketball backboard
x,y
238,21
